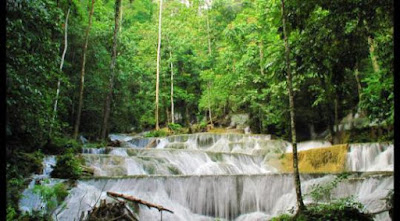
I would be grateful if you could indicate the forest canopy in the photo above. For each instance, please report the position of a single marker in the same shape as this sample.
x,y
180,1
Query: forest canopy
x,y
226,57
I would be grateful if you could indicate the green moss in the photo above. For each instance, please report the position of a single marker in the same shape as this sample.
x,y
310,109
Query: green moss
x,y
150,169
174,171
323,160
216,157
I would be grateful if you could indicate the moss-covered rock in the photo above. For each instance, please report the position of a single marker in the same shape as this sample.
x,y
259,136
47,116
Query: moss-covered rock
x,y
320,160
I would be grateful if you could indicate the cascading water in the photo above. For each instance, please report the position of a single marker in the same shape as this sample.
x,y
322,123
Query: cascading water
x,y
31,201
371,157
225,176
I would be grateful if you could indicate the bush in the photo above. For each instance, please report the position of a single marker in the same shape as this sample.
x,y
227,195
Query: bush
x,y
52,195
339,209
68,167
323,192
11,213
59,145
343,209
20,166
176,128
157,133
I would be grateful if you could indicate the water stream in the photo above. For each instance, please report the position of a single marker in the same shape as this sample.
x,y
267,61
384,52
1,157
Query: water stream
x,y
220,176
30,200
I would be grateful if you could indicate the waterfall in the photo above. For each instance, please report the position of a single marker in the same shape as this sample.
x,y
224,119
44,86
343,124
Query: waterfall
x,y
371,157
220,176
239,197
29,200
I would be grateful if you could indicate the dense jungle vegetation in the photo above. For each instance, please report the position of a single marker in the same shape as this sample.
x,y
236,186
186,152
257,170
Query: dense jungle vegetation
x,y
86,67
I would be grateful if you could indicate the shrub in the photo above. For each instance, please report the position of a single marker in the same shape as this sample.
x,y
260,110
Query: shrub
x,y
11,213
346,209
340,209
52,195
323,192
157,133
68,166
176,128
59,145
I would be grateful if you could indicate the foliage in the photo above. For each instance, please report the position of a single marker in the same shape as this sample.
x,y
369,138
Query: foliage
x,y
157,133
95,144
52,195
60,145
36,216
341,209
19,166
11,213
68,166
227,58
176,128
32,67
323,192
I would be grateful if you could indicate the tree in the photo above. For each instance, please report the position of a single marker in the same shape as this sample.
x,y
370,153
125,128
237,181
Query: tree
x,y
300,204
32,55
82,79
112,68
61,67
158,64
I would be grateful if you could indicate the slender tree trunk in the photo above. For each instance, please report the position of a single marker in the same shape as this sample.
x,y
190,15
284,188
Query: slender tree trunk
x,y
158,64
120,18
61,67
336,112
371,44
374,60
208,34
172,89
82,81
208,84
107,108
300,203
187,115
209,103
260,45
359,88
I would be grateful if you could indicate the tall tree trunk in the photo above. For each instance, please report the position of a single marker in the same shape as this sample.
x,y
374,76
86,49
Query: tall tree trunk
x,y
120,18
209,103
300,203
260,45
371,44
172,89
208,84
336,113
107,107
82,81
357,76
374,60
158,64
61,67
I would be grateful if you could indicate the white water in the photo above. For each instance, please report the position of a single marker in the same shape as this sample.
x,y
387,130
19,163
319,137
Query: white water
x,y
307,145
233,197
208,176
29,200
371,157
